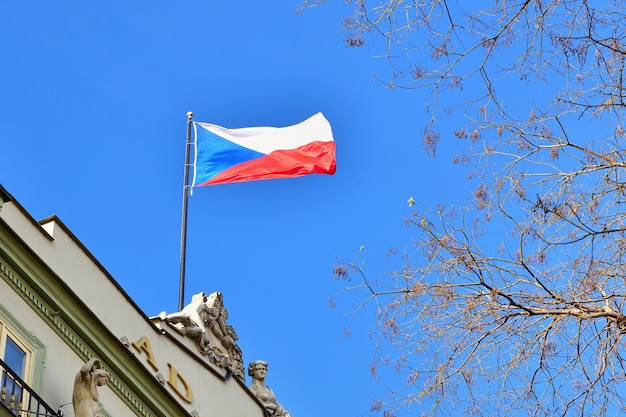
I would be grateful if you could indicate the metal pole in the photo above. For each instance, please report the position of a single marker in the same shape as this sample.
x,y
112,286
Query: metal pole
x,y
183,233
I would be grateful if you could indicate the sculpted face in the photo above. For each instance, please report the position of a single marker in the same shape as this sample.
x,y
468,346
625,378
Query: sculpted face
x,y
260,371
101,377
103,380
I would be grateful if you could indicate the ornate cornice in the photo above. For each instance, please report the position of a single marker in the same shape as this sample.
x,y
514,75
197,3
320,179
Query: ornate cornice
x,y
52,317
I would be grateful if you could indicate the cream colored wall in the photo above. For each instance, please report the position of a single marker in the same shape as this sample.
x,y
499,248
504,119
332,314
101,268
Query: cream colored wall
x,y
60,364
212,395
68,261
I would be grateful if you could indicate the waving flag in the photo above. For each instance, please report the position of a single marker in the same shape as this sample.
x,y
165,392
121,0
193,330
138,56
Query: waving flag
x,y
259,153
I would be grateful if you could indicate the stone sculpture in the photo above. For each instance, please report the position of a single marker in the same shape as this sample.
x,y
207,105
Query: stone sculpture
x,y
204,320
85,395
192,320
258,371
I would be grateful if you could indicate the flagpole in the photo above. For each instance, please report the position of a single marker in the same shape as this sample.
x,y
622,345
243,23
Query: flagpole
x,y
183,233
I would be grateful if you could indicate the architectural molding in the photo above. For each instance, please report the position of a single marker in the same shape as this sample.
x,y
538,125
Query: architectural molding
x,y
64,308
38,348
54,319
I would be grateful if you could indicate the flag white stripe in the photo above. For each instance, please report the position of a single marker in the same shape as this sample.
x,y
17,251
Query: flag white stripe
x,y
268,139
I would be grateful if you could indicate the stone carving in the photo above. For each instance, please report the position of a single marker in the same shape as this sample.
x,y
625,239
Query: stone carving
x,y
237,363
204,320
217,319
85,395
258,371
225,333
192,320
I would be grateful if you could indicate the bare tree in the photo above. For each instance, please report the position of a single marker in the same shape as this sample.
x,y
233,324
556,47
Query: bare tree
x,y
512,305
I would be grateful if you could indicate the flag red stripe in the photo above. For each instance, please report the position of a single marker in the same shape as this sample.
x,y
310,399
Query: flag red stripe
x,y
312,158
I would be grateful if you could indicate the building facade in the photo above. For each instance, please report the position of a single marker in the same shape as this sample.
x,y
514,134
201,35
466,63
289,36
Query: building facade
x,y
59,309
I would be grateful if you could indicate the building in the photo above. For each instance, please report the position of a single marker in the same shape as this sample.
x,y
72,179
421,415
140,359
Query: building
x,y
59,309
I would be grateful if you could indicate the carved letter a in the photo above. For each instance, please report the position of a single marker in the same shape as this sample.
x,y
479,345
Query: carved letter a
x,y
143,345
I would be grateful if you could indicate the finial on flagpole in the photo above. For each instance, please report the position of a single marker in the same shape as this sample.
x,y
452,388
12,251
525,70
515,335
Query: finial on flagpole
x,y
189,115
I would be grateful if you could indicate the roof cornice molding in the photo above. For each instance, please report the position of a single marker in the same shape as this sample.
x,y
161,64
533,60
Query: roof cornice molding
x,y
85,334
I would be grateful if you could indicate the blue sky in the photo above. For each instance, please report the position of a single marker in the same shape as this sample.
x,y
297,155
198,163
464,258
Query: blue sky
x,y
92,129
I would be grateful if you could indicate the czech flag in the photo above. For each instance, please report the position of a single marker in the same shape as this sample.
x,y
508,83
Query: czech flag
x,y
260,153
